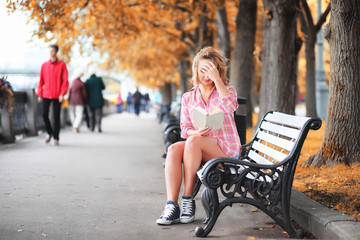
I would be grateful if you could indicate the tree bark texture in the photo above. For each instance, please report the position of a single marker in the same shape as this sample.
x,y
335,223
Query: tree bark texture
x,y
242,63
278,89
341,142
310,95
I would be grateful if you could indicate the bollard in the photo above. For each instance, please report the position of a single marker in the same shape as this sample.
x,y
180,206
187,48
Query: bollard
x,y
240,121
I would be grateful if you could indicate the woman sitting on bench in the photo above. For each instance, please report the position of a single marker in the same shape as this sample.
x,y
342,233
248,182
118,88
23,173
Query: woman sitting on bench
x,y
211,91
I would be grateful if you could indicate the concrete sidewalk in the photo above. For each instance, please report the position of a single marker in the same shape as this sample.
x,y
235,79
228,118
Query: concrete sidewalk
x,y
106,185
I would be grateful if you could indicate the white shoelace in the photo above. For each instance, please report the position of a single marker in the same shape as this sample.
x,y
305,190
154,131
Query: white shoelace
x,y
168,211
187,206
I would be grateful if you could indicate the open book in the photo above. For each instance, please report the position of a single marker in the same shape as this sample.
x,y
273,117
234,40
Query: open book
x,y
202,119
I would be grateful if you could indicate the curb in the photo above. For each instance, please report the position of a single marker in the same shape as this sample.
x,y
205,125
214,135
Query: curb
x,y
322,222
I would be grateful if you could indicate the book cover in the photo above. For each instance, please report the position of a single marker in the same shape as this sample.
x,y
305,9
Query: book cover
x,y
202,119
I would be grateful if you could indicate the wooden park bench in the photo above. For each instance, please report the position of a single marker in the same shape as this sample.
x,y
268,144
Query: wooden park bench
x,y
263,174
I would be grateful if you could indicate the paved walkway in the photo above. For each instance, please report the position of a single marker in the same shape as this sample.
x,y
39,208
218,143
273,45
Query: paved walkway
x,y
104,186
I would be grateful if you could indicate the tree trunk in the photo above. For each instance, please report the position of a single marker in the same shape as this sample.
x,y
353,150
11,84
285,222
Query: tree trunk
x,y
183,67
278,89
206,33
310,96
341,142
308,28
223,31
166,93
242,63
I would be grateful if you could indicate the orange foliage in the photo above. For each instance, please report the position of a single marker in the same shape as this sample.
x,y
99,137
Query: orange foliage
x,y
147,38
336,187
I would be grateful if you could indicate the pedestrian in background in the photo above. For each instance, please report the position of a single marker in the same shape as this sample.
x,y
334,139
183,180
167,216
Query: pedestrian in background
x,y
147,102
52,87
136,99
77,101
119,103
94,87
128,102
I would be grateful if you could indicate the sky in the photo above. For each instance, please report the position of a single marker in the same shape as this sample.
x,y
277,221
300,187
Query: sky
x,y
17,49
20,51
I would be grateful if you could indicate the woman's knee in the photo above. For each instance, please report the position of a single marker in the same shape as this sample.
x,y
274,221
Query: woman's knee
x,y
175,148
194,140
175,151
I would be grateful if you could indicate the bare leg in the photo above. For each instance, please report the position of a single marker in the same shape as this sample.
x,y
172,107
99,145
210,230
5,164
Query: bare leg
x,y
198,149
173,170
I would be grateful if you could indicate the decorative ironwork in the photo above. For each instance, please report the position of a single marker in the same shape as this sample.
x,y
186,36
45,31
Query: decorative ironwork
x,y
265,186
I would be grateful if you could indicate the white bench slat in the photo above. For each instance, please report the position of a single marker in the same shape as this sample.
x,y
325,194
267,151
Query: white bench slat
x,y
261,160
285,119
273,123
279,156
281,142
241,168
258,158
282,130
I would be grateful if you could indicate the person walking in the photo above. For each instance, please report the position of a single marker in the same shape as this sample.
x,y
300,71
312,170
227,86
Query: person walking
x,y
147,102
128,102
211,91
137,97
94,87
52,87
119,103
77,101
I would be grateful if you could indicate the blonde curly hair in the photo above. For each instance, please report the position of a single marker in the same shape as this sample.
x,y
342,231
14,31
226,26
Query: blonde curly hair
x,y
217,57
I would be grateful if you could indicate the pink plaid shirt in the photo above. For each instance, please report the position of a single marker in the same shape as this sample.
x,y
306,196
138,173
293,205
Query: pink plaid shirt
x,y
227,137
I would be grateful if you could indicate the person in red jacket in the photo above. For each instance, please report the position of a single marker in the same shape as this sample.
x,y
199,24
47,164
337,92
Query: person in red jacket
x,y
52,87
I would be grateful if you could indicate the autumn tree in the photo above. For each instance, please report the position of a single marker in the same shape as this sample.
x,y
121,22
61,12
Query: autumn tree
x,y
278,89
119,29
310,30
341,142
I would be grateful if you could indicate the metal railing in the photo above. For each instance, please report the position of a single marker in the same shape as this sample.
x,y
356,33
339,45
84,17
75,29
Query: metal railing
x,y
26,117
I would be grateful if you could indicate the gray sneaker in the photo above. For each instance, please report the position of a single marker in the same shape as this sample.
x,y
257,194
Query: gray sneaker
x,y
187,210
170,214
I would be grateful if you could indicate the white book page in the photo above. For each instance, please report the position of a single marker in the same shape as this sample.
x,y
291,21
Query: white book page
x,y
202,119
